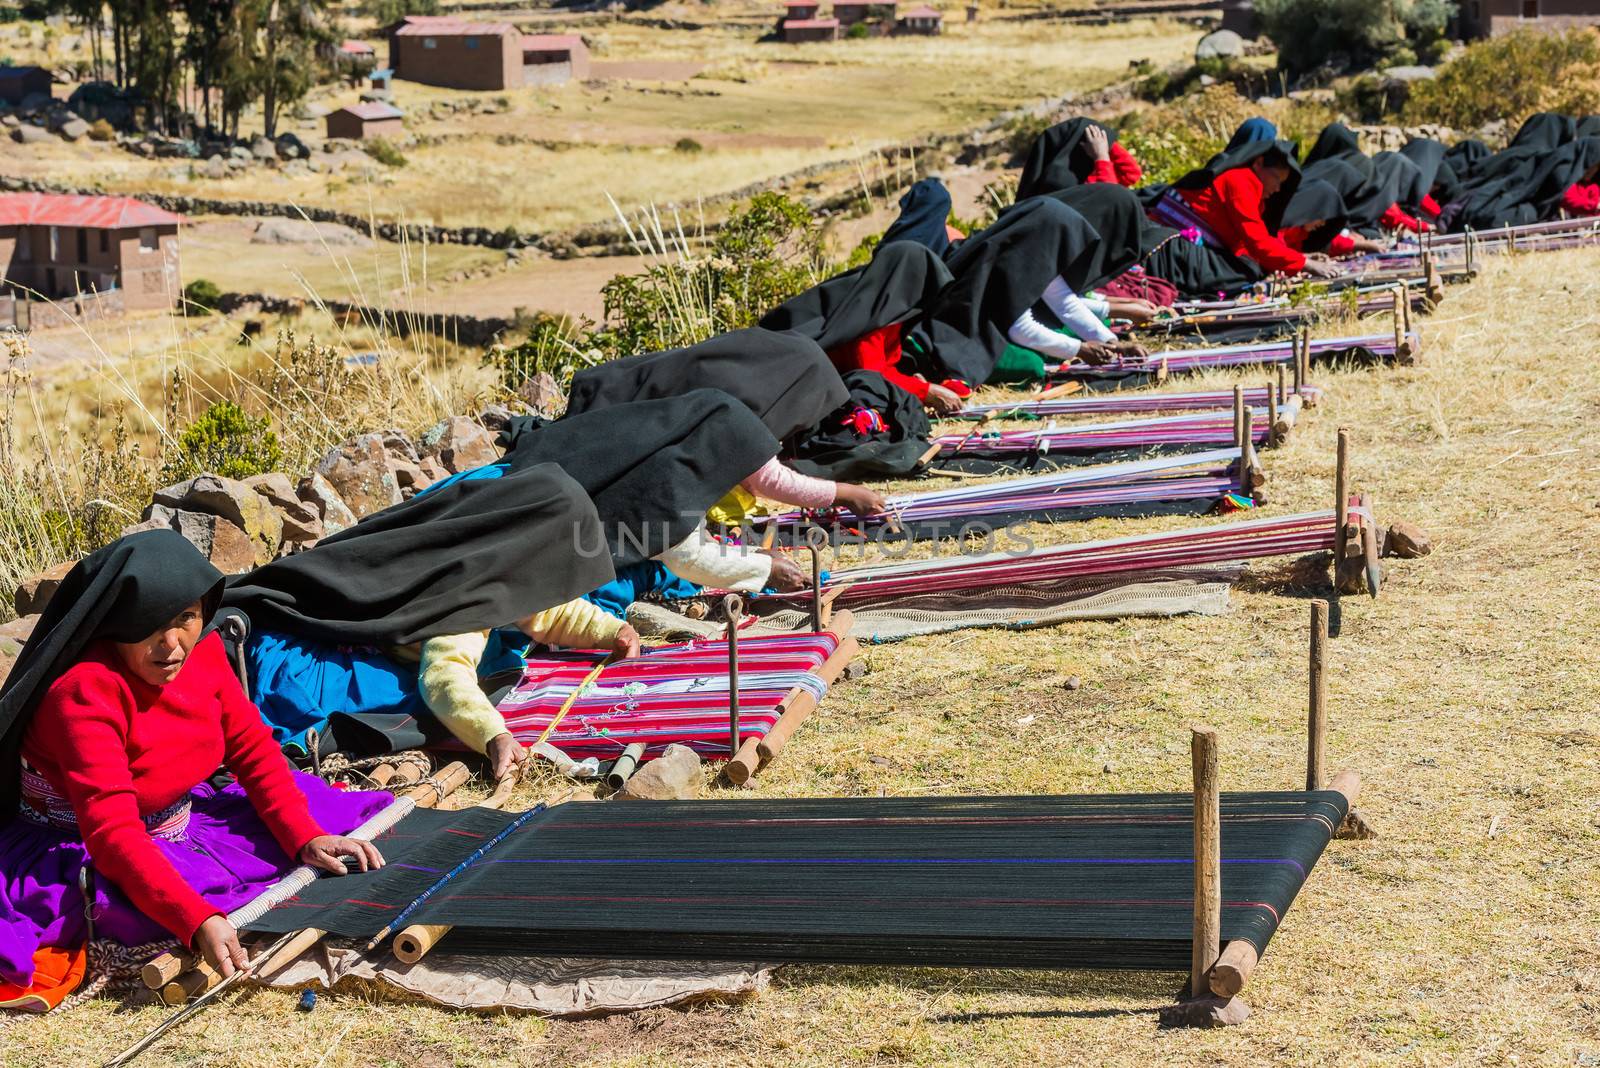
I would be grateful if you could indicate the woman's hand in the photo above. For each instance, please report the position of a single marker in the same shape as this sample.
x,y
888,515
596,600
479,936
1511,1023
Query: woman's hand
x,y
859,499
942,400
1130,349
786,575
324,852
1321,267
1099,144
218,943
504,753
1095,353
1135,311
626,644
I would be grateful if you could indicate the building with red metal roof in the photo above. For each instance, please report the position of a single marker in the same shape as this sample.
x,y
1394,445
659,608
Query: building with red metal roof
x,y
460,54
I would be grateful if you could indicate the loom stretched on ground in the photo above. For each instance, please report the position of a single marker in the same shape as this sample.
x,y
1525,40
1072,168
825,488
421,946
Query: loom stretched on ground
x,y
1129,401
1036,444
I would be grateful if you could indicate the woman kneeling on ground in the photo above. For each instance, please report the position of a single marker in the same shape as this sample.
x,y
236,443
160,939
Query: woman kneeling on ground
x,y
117,714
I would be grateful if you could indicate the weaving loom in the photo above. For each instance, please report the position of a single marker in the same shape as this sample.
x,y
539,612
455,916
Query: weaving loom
x,y
1274,316
676,694
1400,347
1130,401
1162,484
1104,882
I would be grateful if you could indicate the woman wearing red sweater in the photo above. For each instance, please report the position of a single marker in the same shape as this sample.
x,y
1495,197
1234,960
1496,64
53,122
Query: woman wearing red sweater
x,y
115,716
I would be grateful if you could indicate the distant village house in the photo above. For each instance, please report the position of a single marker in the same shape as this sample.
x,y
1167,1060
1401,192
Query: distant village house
x,y
1491,18
359,122
19,83
800,31
105,255
850,12
449,52
922,20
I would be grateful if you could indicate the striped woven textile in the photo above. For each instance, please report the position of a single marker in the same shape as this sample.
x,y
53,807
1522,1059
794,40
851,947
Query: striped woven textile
x,y
1130,401
1198,429
671,694
1180,361
1450,249
1233,542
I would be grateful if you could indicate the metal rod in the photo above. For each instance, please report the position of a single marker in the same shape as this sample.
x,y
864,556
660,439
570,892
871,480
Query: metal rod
x,y
1317,720
814,537
734,609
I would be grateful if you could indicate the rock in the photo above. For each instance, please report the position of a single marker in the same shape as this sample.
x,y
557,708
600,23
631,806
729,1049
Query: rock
x,y
35,591
215,167
672,776
305,232
296,168
29,134
263,149
1208,1011
74,129
1407,75
1407,541
399,447
495,417
1223,44
18,630
239,152
1072,683
459,444
432,468
289,146
543,394
229,549
857,669
323,499
360,473
235,501
236,164
301,523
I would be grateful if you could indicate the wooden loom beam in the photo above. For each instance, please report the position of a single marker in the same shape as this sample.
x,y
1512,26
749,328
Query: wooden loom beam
x,y
795,708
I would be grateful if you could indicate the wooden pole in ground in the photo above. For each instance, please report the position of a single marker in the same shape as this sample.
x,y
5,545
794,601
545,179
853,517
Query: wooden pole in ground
x,y
1317,720
734,608
1282,395
1341,493
1207,860
1241,437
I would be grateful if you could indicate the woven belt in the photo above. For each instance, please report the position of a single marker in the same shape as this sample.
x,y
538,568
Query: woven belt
x,y
44,805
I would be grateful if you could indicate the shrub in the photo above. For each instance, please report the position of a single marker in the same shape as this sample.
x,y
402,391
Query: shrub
x,y
101,130
687,144
858,32
386,11
1172,140
384,151
1345,34
1510,78
555,345
224,441
1022,132
201,297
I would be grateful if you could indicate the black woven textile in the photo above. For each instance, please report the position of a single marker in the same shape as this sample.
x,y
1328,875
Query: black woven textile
x,y
1034,882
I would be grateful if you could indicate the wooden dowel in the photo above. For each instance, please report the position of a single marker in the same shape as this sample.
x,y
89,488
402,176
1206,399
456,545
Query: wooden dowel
x,y
733,606
413,943
1282,396
1305,357
1399,299
1341,494
1369,547
381,775
190,984
164,969
1232,970
1317,719
1241,437
1207,860
1065,389
796,711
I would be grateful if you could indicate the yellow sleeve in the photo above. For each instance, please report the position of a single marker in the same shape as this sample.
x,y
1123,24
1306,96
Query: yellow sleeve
x,y
737,505
577,624
449,681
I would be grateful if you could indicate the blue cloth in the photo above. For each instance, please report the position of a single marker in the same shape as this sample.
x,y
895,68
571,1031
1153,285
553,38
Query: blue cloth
x,y
923,211
494,470
637,581
299,685
1250,131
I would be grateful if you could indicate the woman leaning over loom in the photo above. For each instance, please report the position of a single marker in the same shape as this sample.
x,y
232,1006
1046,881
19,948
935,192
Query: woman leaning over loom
x,y
117,713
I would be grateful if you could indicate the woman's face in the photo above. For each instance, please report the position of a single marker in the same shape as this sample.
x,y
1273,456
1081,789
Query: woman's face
x,y
158,658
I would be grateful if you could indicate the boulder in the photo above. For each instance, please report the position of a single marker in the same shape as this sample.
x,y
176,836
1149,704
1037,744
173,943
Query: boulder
x,y
229,548
672,776
433,469
215,167
543,394
301,523
1223,44
18,630
29,134
459,444
239,152
289,146
74,129
360,473
263,149
495,417
274,231
35,591
234,501
323,499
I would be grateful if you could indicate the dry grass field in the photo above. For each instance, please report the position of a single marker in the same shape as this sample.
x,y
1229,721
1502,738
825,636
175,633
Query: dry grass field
x,y
1465,934
549,157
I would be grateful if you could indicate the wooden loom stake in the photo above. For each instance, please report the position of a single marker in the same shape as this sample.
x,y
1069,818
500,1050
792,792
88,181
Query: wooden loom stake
x,y
733,606
1207,860
1317,721
1341,496
1241,437
1282,396
1399,299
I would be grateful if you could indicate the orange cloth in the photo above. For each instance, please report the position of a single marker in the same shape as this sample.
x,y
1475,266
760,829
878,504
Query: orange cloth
x,y
57,972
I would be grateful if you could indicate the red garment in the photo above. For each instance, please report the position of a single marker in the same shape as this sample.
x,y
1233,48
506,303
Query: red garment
x,y
1295,237
119,749
1231,207
1431,207
1103,172
1582,199
1341,245
1396,219
1129,173
879,351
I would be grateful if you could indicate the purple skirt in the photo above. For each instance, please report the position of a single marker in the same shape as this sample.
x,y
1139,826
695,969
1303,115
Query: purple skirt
x,y
226,854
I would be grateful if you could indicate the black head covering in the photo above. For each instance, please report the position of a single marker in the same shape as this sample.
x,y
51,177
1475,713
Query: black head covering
x,y
1198,271
651,467
1527,189
836,450
123,593
1428,155
1397,170
1336,141
1316,201
901,284
1367,190
1000,273
1244,156
1465,157
786,379
1055,161
1118,217
1544,132
923,211
1589,126
472,555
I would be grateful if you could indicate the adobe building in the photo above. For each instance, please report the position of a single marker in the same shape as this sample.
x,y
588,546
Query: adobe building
x,y
1491,18
798,10
922,20
850,12
106,255
19,83
449,52
361,121
800,31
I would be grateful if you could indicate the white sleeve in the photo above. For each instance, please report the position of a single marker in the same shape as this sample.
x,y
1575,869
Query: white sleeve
x,y
703,560
1074,313
1100,307
1030,333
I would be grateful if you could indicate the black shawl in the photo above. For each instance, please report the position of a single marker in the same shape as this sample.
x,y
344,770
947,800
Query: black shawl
x,y
1200,272
1588,126
1465,157
1243,156
1316,201
124,593
1428,155
1118,218
999,274
472,555
785,378
902,283
652,467
1543,132
835,450
1366,193
924,209
1528,189
1398,170
1058,159
1336,141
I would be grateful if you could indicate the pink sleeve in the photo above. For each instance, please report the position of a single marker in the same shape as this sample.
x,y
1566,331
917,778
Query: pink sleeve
x,y
778,483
